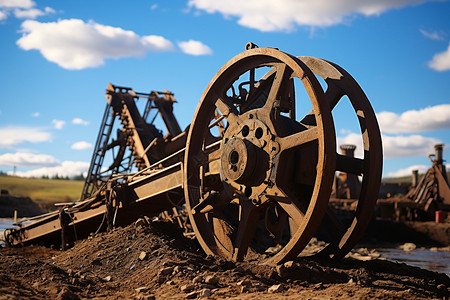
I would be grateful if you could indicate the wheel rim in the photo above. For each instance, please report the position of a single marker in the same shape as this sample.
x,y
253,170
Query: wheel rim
x,y
340,84
252,153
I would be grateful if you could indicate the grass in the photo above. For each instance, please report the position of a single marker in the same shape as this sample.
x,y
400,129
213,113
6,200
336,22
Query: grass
x,y
406,178
42,190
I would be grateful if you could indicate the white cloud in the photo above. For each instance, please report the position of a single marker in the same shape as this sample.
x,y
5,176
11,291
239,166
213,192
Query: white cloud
x,y
192,47
32,13
432,35
427,119
285,15
36,114
22,159
411,145
66,168
79,121
3,15
81,145
395,146
154,6
408,171
14,135
58,124
74,44
441,61
16,3
22,9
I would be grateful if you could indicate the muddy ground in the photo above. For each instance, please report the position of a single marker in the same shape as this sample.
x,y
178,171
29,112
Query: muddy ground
x,y
155,261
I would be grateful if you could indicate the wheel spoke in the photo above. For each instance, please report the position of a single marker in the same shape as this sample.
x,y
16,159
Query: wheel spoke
x,y
248,217
290,205
349,164
299,138
282,77
333,94
293,210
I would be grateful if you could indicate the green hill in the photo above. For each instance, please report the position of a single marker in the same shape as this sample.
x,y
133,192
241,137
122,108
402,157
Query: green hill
x,y
42,190
405,178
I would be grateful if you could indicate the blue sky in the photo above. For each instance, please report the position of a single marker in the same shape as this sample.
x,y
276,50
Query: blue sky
x,y
56,58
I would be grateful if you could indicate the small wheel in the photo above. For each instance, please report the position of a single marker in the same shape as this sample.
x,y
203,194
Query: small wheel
x,y
340,84
260,187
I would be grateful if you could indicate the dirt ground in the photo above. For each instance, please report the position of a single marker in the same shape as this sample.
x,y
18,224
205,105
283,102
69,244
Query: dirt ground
x,y
155,261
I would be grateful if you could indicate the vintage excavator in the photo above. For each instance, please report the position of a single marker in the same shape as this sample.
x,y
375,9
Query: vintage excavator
x,y
253,172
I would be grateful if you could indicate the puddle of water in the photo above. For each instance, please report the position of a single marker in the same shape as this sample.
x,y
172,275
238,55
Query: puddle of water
x,y
436,261
5,224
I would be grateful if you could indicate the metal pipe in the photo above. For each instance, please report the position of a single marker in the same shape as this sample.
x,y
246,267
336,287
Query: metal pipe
x,y
348,150
415,177
439,153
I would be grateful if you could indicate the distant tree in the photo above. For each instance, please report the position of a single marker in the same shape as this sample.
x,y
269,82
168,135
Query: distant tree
x,y
79,177
3,173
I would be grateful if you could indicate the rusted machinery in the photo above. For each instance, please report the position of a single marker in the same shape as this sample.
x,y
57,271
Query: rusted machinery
x,y
254,172
425,197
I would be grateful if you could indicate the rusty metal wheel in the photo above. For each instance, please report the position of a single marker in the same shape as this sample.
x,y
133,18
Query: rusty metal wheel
x,y
257,180
341,84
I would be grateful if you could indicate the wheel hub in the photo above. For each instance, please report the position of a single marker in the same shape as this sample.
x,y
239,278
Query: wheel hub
x,y
238,160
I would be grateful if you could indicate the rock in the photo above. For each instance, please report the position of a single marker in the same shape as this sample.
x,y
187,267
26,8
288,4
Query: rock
x,y
160,279
192,295
244,289
208,286
170,282
289,265
146,297
143,255
212,279
165,271
140,222
142,289
408,247
187,287
67,294
271,275
274,249
205,293
198,279
107,278
244,282
275,288
177,269
281,271
259,287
